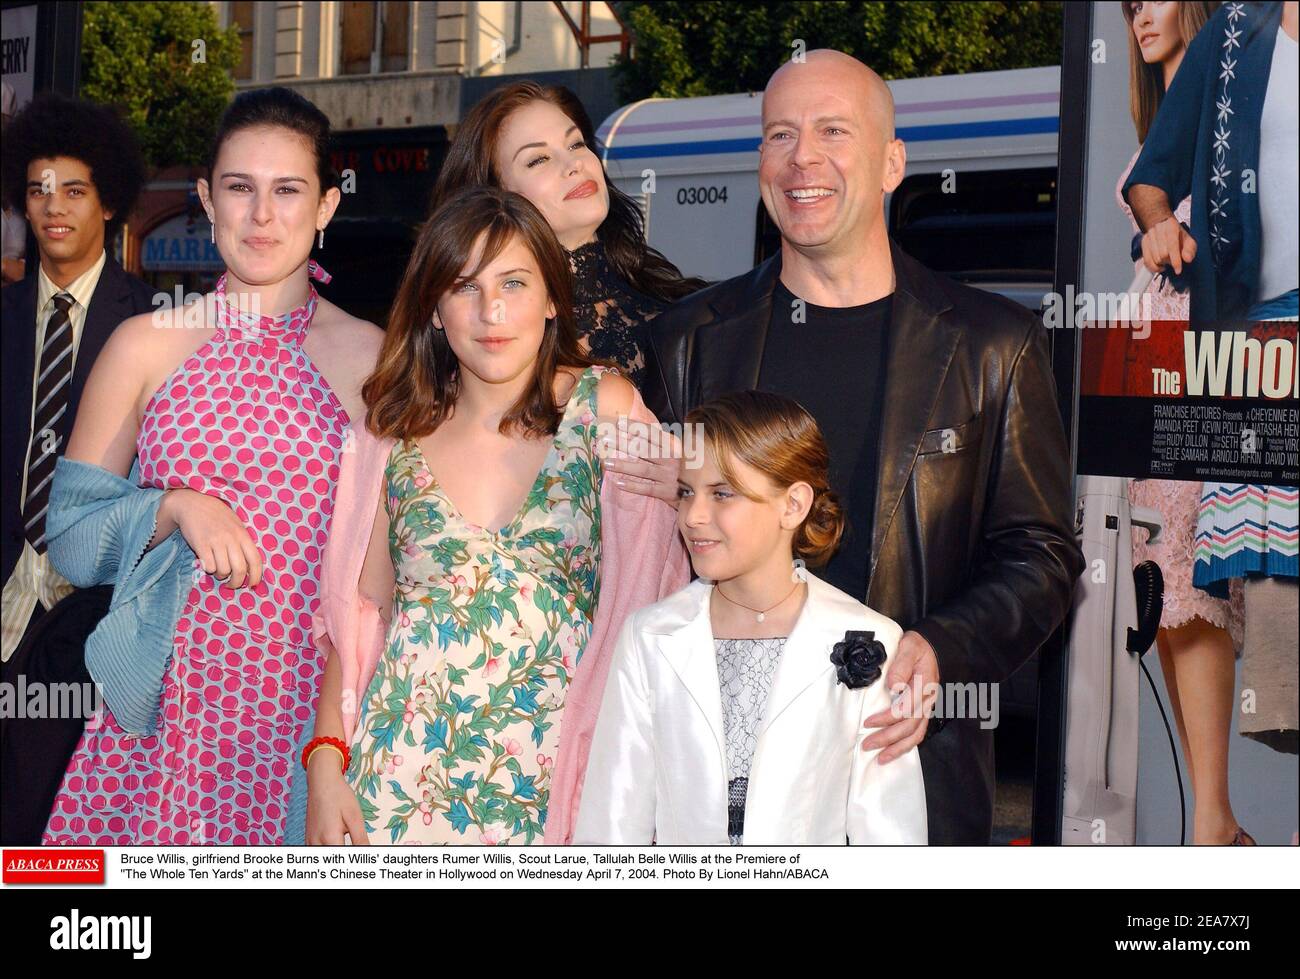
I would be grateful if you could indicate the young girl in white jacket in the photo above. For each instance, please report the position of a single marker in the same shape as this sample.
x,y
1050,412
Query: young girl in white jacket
x,y
734,708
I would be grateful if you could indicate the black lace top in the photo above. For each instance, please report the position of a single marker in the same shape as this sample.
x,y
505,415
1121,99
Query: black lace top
x,y
613,318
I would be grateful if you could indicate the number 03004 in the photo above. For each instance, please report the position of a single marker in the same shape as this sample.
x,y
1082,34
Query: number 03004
x,y
701,195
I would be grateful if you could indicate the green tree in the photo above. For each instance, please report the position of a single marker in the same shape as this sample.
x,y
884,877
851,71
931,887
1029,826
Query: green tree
x,y
143,57
713,48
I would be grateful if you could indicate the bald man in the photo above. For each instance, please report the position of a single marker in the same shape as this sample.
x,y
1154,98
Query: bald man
x,y
937,403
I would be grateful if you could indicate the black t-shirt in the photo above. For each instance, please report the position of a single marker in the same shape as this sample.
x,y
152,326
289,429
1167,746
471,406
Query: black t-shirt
x,y
833,363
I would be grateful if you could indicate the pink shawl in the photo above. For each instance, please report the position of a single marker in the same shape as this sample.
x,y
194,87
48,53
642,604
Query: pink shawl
x,y
642,561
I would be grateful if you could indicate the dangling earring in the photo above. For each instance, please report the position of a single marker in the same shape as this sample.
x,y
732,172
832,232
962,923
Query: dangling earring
x,y
212,232
320,240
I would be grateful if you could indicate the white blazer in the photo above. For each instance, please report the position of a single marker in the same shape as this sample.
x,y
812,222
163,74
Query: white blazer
x,y
658,766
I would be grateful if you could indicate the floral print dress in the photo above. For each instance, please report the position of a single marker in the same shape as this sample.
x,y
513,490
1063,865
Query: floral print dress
x,y
459,729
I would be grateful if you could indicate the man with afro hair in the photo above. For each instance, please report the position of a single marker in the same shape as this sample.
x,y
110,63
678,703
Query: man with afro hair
x,y
74,169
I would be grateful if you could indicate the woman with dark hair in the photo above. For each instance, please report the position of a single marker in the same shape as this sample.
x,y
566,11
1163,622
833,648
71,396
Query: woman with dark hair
x,y
485,559
538,141
235,409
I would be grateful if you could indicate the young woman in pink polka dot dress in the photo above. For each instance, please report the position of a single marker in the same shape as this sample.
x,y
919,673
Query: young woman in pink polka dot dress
x,y
250,420
241,418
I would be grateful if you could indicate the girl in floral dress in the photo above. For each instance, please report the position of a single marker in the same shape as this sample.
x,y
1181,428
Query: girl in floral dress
x,y
238,416
486,553
488,627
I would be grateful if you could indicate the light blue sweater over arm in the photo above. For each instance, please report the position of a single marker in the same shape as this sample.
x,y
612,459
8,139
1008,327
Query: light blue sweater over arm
x,y
98,528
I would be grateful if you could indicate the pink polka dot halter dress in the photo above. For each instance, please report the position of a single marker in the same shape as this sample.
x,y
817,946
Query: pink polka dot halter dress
x,y
247,418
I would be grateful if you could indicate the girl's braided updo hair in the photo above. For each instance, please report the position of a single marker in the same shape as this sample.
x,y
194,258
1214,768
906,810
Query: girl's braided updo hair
x,y
778,437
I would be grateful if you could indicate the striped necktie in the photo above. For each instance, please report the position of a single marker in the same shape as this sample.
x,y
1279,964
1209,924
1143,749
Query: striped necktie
x,y
51,404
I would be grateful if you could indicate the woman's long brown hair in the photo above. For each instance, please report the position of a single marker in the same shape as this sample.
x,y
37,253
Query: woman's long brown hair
x,y
416,380
1146,89
471,161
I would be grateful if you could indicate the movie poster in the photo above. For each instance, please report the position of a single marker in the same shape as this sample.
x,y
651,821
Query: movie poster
x,y
1171,401
1188,424
1186,373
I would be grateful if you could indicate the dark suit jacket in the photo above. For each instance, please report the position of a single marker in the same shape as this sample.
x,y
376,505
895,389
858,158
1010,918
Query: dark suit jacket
x,y
35,751
117,296
973,547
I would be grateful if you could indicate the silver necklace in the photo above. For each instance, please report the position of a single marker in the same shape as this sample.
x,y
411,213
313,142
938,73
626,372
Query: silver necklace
x,y
759,614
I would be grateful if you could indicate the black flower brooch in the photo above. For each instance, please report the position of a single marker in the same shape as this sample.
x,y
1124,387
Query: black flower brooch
x,y
858,658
